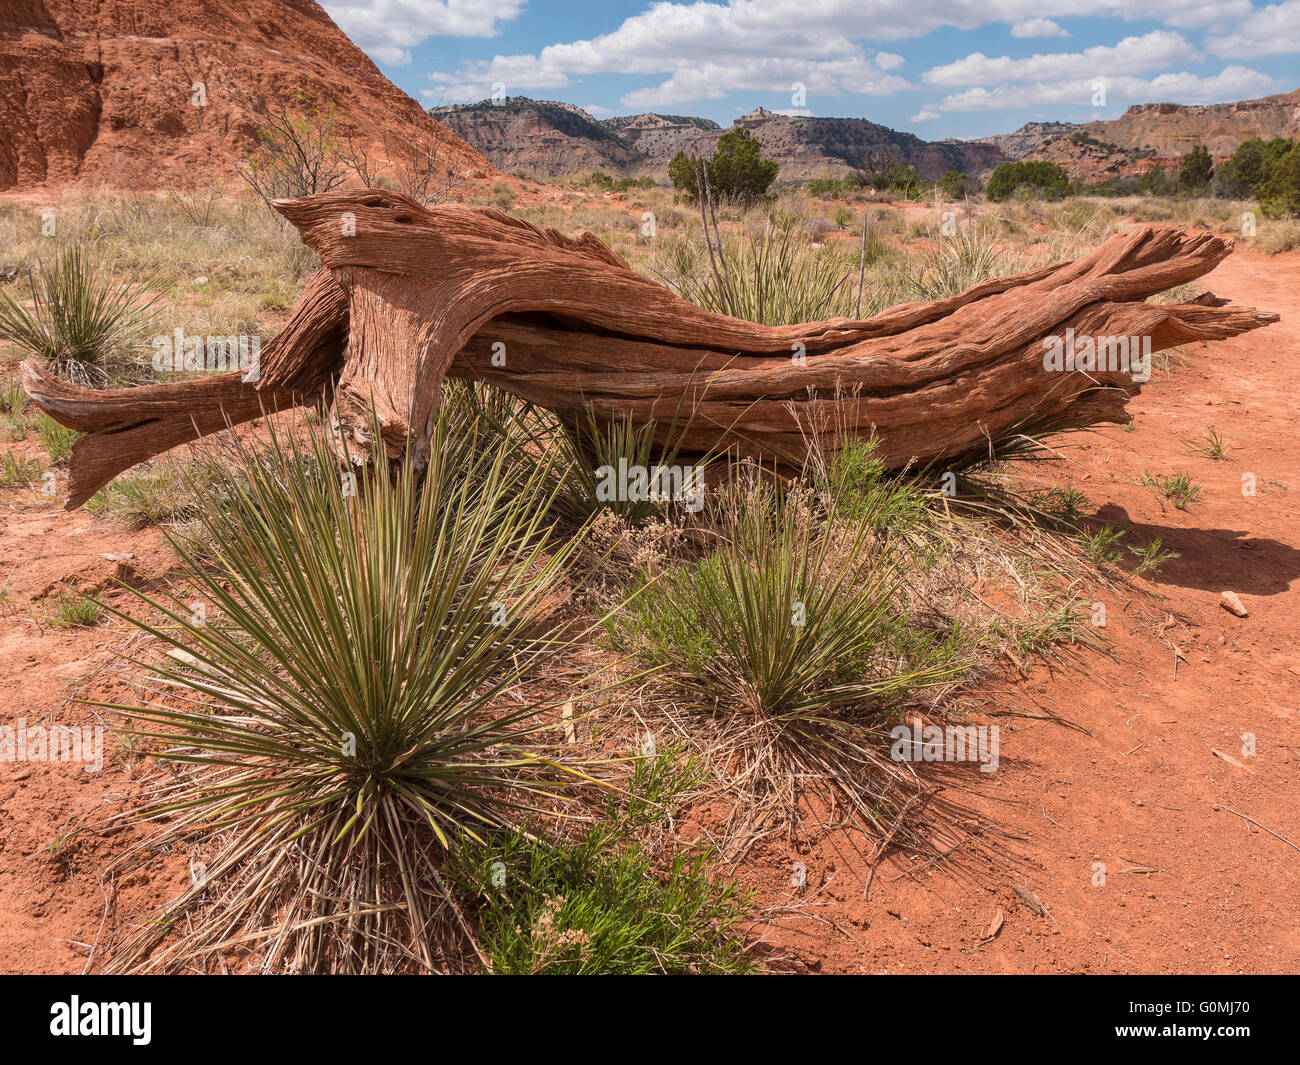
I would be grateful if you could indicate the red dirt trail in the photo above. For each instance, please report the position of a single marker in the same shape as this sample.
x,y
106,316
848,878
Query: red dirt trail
x,y
1142,789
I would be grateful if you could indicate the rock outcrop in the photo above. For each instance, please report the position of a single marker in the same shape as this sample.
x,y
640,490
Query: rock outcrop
x,y
147,93
551,139
541,138
1148,134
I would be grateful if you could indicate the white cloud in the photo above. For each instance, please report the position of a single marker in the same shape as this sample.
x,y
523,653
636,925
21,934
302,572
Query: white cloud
x,y
388,29
1132,55
713,81
1037,27
1271,30
925,115
1234,82
706,49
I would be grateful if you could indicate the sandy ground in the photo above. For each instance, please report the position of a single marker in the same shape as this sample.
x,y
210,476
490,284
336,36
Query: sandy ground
x,y
1188,886
1132,782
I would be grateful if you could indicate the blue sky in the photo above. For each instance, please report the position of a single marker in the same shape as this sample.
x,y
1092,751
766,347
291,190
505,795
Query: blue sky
x,y
939,68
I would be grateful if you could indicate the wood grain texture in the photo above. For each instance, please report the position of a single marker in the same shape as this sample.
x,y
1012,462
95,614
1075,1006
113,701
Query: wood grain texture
x,y
408,295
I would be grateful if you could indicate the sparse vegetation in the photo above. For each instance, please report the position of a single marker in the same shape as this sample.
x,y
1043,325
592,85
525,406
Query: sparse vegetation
x,y
83,320
299,152
18,471
1151,558
461,761
1211,445
70,610
1102,545
55,438
599,904
952,264
1178,488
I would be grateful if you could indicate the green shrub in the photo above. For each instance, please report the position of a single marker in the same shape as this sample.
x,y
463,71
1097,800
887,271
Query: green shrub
x,y
1196,171
73,611
601,904
1240,174
826,188
345,712
736,169
785,619
57,439
503,196
18,471
887,177
1044,178
856,486
1278,190
955,185
1156,181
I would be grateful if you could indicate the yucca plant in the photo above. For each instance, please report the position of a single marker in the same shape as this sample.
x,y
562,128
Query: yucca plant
x,y
82,318
774,277
953,264
794,641
600,453
339,709
790,617
588,461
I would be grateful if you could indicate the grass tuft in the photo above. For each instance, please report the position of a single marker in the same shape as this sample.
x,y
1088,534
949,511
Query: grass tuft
x,y
82,318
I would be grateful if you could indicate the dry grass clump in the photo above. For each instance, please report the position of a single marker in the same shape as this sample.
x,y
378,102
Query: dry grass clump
x,y
1276,235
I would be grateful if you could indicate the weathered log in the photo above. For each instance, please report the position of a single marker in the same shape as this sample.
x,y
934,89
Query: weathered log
x,y
407,295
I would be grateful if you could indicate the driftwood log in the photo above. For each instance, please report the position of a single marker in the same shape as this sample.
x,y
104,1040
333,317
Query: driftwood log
x,y
408,295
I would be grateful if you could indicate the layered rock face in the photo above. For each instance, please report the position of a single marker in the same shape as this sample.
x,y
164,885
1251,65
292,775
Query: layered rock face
x,y
542,138
550,139
1152,134
659,137
1172,130
808,147
148,93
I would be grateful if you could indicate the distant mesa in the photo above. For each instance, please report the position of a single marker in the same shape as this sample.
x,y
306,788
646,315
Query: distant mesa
x,y
550,139
1152,134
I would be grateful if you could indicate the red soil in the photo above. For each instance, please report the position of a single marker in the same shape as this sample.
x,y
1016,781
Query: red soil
x,y
1190,887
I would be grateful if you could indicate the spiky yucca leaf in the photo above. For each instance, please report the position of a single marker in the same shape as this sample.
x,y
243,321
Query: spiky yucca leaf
x,y
341,705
